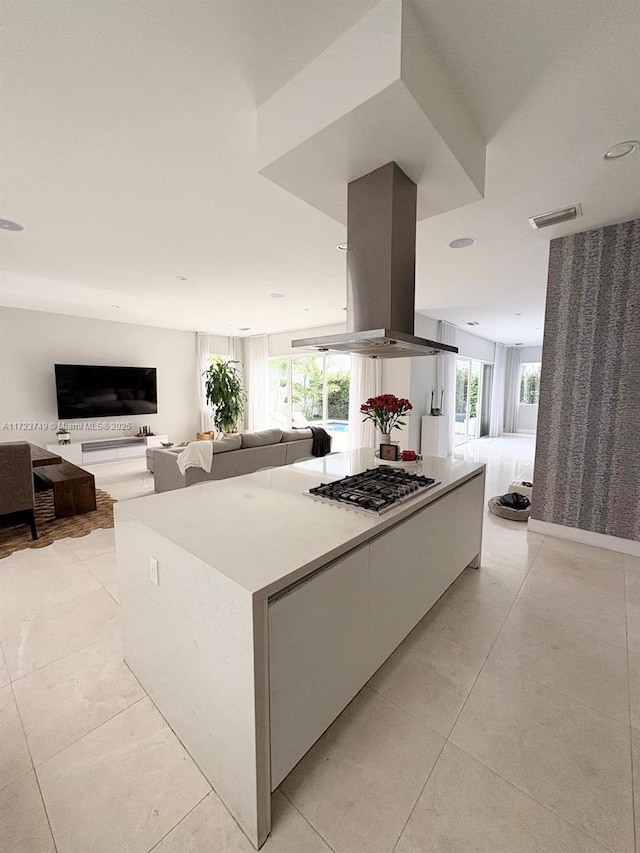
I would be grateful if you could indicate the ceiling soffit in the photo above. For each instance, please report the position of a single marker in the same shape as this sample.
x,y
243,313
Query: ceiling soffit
x,y
378,93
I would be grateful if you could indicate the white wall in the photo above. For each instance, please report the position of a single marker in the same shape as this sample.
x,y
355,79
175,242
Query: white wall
x,y
527,417
472,346
423,379
531,354
31,342
396,379
280,344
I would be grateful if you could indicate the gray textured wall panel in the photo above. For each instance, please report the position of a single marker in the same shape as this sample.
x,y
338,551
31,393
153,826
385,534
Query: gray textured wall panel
x,y
587,469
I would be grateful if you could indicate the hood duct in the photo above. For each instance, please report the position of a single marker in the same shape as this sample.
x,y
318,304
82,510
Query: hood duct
x,y
381,262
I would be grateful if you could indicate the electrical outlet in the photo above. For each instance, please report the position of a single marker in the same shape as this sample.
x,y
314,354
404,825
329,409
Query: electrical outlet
x,y
153,571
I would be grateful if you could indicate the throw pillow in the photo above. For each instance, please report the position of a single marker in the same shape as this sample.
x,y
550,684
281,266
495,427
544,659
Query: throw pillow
x,y
295,434
259,439
222,445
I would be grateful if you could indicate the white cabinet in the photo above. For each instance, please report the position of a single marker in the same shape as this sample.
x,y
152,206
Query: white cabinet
x,y
397,567
69,452
130,452
438,535
435,435
317,657
410,568
329,634
108,449
468,536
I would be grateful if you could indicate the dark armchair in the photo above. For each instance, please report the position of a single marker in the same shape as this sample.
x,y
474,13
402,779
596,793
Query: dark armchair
x,y
16,483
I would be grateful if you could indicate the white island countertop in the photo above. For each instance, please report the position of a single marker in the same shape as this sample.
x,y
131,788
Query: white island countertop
x,y
262,532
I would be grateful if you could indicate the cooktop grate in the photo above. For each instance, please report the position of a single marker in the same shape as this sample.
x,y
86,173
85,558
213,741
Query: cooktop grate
x,y
375,490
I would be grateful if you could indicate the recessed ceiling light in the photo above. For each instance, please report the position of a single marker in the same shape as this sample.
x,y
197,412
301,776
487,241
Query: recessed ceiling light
x,y
344,309
462,242
518,313
554,217
115,306
342,247
244,328
8,225
517,345
277,295
622,149
181,277
472,323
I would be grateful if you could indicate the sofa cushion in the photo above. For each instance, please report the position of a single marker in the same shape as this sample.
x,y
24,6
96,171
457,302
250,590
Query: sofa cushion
x,y
295,434
259,439
230,442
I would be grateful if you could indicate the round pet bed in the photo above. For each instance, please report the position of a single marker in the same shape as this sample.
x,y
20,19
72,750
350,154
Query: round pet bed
x,y
506,512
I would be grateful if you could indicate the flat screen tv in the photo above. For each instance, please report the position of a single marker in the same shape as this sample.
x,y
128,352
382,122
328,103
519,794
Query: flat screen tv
x,y
92,391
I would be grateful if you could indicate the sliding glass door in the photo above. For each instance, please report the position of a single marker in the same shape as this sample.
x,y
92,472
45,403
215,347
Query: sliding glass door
x,y
470,380
463,376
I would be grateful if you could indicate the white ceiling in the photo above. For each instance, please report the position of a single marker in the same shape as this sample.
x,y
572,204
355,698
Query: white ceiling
x,y
128,149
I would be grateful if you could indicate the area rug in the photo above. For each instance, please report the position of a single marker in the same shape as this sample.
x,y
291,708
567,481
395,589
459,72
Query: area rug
x,y
51,528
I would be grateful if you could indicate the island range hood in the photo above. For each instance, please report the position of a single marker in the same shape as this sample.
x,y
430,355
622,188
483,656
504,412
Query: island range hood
x,y
381,262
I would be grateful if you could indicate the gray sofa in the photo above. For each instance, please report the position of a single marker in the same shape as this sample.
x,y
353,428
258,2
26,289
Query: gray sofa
x,y
242,454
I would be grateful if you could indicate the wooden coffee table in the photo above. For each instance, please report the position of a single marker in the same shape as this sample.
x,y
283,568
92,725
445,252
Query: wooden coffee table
x,y
40,456
74,489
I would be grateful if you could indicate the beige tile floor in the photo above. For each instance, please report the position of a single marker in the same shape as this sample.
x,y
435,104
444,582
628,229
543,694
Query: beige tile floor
x,y
505,723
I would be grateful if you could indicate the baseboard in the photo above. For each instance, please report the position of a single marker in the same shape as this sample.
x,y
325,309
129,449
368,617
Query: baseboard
x,y
586,537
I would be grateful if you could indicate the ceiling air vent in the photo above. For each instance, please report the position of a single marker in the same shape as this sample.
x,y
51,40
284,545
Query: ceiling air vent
x,y
555,217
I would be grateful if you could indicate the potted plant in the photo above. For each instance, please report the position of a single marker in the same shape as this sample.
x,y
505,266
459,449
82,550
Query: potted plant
x,y
385,411
225,394
64,436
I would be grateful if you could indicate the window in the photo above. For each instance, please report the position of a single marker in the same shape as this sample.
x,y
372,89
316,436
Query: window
x,y
308,390
530,382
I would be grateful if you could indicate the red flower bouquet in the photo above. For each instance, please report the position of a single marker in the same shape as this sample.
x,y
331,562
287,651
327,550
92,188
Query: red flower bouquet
x,y
385,411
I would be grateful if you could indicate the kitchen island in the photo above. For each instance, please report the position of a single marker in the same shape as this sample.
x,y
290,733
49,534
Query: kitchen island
x,y
271,609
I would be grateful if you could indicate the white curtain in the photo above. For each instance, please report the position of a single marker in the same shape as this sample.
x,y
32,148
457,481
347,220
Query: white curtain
x,y
365,382
257,382
446,378
202,362
512,388
496,414
236,353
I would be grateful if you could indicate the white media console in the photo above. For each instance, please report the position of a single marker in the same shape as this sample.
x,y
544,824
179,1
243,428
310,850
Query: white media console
x,y
107,449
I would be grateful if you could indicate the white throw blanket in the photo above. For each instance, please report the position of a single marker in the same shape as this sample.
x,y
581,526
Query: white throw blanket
x,y
198,454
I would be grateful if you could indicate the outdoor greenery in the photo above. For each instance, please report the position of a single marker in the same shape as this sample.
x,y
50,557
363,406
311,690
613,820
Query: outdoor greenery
x,y
462,381
530,382
307,387
473,396
338,395
225,393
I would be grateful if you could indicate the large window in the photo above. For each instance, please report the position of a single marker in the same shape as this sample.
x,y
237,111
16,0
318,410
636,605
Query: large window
x,y
308,390
530,382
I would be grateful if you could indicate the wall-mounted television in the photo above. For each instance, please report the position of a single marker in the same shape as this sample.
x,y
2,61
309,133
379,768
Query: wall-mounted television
x,y
92,391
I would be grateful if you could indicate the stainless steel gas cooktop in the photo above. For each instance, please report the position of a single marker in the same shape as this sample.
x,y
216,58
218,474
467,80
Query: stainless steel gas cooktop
x,y
375,490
